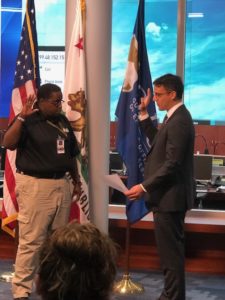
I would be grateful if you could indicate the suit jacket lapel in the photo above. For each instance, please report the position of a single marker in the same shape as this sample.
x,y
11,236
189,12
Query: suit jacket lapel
x,y
165,122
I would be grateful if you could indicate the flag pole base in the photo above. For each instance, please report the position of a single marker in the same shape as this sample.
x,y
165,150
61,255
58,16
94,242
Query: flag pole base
x,y
127,286
6,276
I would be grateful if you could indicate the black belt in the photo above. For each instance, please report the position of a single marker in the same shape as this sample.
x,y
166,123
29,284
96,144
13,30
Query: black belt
x,y
54,175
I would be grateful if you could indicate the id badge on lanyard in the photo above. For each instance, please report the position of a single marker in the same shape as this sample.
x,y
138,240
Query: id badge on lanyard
x,y
60,145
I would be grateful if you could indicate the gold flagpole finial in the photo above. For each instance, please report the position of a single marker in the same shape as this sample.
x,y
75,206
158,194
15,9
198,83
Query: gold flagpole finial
x,y
83,13
83,5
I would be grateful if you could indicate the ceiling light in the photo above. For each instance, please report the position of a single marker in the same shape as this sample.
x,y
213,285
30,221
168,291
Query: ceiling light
x,y
195,15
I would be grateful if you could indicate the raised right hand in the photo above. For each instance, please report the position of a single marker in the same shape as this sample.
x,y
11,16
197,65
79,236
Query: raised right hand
x,y
28,106
145,101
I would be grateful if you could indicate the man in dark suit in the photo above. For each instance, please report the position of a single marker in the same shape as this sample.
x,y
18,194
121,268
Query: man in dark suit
x,y
168,179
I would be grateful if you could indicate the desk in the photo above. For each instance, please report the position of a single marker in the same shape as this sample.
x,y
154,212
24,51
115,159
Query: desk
x,y
205,240
211,199
193,217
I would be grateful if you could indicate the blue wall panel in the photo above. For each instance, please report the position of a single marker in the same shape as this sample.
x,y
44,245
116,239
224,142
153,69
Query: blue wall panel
x,y
11,21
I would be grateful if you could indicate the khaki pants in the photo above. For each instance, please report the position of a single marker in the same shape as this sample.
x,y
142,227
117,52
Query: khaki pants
x,y
44,205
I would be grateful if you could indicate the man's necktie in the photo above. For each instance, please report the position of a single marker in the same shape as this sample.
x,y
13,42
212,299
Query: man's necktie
x,y
165,119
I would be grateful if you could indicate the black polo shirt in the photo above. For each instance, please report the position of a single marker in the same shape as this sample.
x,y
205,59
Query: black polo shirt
x,y
37,150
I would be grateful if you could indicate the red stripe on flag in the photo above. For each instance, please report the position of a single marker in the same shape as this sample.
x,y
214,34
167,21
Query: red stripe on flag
x,y
10,181
11,114
23,93
74,212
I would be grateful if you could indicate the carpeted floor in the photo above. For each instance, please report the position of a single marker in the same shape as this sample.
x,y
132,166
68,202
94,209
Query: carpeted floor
x,y
198,287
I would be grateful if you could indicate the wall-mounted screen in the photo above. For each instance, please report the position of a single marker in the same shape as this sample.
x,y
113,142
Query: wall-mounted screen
x,y
203,167
50,22
204,49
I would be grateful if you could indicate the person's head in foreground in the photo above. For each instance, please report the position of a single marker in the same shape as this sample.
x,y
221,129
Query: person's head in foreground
x,y
77,262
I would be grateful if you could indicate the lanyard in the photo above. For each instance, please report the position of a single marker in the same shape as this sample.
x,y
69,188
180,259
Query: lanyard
x,y
60,128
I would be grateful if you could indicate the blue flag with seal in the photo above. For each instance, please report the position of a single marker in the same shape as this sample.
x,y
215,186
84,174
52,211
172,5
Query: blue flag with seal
x,y
131,143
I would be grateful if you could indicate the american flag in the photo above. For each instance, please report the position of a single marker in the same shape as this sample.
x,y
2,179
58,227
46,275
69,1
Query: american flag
x,y
27,79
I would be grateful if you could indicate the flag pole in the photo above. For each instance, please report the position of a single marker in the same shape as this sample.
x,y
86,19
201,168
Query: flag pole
x,y
126,285
131,143
83,13
7,276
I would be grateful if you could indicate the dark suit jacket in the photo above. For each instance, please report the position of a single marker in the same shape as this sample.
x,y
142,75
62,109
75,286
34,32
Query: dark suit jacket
x,y
168,175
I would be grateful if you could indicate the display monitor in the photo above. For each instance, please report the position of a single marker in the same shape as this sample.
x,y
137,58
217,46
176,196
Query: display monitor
x,y
203,167
115,162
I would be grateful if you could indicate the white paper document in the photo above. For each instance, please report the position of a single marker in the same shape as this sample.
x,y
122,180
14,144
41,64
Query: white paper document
x,y
115,182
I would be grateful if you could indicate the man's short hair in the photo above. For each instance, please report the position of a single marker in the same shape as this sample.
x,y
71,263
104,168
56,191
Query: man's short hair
x,y
171,83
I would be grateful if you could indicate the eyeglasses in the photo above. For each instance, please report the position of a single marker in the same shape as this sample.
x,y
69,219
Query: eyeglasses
x,y
158,95
56,102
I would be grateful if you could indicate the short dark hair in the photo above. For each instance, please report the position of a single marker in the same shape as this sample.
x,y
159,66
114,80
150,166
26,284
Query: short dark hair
x,y
46,89
171,83
77,262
